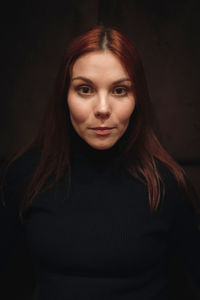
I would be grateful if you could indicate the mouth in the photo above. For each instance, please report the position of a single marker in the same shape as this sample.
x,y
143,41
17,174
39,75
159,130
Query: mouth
x,y
102,130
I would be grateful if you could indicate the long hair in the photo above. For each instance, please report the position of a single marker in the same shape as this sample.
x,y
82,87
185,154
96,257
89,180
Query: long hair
x,y
142,150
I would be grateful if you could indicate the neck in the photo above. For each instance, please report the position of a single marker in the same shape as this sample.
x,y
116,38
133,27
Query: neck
x,y
80,149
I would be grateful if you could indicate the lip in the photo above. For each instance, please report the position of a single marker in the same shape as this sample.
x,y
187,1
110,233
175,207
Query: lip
x,y
102,130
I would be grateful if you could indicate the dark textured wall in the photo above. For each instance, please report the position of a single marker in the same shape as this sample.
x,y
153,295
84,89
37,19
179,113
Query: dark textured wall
x,y
166,33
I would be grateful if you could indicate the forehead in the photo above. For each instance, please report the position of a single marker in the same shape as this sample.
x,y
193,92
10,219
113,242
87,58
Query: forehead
x,y
101,63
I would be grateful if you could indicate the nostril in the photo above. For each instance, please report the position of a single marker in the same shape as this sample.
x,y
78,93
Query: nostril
x,y
102,115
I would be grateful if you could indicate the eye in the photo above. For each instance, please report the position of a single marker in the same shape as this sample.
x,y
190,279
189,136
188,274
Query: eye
x,y
85,90
120,91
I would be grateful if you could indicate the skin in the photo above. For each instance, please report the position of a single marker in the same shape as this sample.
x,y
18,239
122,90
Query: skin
x,y
100,95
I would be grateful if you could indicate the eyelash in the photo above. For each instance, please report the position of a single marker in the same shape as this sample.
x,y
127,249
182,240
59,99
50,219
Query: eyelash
x,y
78,89
125,89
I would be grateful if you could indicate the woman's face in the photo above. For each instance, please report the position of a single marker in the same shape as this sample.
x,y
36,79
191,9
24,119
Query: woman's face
x,y
100,99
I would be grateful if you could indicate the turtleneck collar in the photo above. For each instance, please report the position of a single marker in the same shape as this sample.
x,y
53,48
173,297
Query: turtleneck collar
x,y
82,151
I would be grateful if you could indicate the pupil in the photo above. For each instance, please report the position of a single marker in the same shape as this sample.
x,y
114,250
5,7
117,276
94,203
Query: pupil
x,y
85,89
119,90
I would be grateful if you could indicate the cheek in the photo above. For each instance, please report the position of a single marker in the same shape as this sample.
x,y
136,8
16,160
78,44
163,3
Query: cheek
x,y
125,113
78,111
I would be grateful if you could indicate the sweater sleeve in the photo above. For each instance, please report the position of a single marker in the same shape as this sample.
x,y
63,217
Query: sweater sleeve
x,y
11,229
184,235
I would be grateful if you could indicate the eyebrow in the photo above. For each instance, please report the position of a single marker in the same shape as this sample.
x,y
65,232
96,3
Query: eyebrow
x,y
89,81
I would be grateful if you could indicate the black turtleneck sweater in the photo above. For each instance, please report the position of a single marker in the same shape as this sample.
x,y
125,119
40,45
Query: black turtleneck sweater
x,y
99,240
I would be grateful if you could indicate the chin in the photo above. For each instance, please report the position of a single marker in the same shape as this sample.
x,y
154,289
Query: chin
x,y
101,146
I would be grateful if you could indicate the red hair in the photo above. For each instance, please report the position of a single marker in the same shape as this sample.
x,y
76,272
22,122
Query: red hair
x,y
141,152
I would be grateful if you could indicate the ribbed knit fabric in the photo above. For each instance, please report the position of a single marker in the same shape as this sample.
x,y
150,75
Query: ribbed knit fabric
x,y
100,241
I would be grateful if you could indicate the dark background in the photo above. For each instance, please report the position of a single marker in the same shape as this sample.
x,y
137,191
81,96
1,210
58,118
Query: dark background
x,y
33,37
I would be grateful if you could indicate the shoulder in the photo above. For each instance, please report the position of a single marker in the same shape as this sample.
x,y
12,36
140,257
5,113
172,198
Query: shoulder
x,y
17,174
169,179
23,164
176,199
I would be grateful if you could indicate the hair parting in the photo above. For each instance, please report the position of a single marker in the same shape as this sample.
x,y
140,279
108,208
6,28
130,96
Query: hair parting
x,y
142,151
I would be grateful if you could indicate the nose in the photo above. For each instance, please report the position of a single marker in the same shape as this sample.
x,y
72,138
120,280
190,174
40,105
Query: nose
x,y
103,107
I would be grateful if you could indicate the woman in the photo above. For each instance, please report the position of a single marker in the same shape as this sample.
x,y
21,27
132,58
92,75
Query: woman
x,y
101,202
